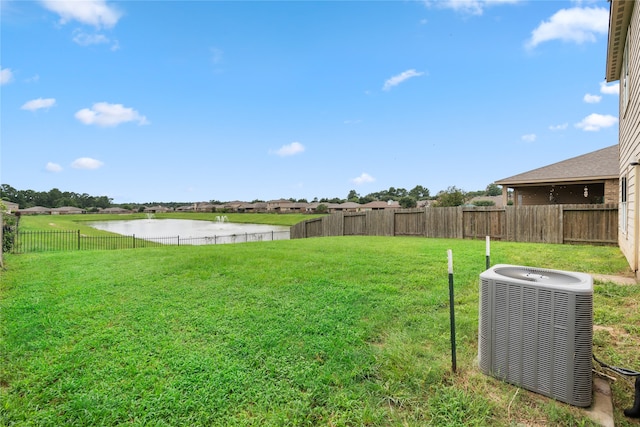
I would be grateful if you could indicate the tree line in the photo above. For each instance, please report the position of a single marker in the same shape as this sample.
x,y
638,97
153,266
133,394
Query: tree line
x,y
55,198
452,196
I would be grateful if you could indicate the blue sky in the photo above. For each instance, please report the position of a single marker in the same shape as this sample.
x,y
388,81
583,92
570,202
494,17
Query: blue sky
x,y
208,100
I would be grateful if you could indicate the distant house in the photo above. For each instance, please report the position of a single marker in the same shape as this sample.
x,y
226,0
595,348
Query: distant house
x,y
258,207
344,207
36,210
10,207
234,206
186,208
157,209
312,207
379,205
114,211
67,210
286,206
275,205
589,178
623,65
204,207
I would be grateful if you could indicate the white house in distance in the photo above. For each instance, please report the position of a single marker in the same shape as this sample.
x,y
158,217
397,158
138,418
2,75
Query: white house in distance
x,y
623,65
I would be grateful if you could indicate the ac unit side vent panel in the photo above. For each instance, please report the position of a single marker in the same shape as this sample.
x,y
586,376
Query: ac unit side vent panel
x,y
535,330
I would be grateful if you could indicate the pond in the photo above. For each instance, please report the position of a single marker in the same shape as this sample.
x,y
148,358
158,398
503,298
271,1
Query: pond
x,y
193,232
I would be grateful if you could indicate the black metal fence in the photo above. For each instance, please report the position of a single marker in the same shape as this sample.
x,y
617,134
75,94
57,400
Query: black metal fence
x,y
71,240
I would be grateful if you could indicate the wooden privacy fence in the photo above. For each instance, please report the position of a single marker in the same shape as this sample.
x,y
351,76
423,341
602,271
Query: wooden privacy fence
x,y
584,224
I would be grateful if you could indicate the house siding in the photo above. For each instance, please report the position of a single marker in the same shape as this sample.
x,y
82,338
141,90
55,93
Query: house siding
x,y
629,136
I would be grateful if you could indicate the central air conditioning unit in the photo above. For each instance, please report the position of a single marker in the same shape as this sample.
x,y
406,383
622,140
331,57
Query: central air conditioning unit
x,y
535,330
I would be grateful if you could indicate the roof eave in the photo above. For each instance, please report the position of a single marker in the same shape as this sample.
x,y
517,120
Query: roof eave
x,y
547,181
619,18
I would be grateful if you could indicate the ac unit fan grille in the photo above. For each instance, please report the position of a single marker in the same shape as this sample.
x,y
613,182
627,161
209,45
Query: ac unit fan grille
x,y
537,336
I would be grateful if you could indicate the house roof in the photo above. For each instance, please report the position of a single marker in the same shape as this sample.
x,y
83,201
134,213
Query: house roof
x,y
597,165
380,204
67,209
114,210
619,19
349,205
36,209
10,205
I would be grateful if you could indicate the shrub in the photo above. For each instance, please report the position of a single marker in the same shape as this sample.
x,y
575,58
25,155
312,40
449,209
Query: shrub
x,y
9,227
484,203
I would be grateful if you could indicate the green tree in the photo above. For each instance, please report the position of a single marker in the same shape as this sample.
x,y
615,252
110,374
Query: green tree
x,y
353,196
103,202
419,192
452,196
322,208
493,190
366,199
408,202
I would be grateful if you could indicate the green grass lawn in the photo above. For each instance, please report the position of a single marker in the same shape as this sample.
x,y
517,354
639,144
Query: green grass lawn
x,y
344,331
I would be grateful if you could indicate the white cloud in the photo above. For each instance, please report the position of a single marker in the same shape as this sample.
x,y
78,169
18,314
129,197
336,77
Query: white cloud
x,y
38,104
530,137
577,25
86,163
613,89
562,126
53,167
105,114
472,7
364,178
90,12
592,99
595,122
397,79
290,149
85,39
6,76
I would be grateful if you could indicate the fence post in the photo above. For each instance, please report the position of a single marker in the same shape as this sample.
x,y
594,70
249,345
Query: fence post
x,y
561,226
78,239
133,236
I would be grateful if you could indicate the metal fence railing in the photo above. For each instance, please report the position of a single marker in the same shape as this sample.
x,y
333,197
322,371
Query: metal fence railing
x,y
70,240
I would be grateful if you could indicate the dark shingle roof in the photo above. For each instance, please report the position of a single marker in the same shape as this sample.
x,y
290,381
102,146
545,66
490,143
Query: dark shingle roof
x,y
600,164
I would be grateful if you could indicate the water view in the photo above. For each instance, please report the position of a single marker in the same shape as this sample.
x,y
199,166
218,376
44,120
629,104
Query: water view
x,y
194,232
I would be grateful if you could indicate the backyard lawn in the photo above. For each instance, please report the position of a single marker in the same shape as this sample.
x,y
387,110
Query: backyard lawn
x,y
341,331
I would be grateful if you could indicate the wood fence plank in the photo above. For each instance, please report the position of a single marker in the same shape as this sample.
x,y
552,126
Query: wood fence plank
x,y
597,224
